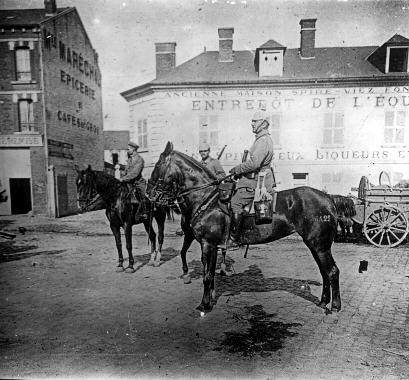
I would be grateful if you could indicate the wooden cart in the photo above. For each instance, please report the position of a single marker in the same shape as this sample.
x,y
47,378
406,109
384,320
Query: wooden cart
x,y
383,212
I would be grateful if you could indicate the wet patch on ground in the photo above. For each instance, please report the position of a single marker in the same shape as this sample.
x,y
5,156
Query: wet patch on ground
x,y
263,337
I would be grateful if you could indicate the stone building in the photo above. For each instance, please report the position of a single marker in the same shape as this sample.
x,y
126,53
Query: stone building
x,y
336,113
50,107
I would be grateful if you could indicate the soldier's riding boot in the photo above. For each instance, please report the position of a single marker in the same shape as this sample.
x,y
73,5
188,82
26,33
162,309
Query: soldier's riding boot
x,y
141,213
235,231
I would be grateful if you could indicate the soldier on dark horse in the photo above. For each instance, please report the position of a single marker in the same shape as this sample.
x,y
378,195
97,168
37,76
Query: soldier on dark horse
x,y
307,211
132,176
249,171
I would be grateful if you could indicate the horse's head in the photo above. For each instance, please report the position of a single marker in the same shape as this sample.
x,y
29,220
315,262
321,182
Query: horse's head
x,y
166,179
86,189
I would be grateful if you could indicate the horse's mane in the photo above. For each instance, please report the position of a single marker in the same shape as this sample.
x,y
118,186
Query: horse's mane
x,y
195,164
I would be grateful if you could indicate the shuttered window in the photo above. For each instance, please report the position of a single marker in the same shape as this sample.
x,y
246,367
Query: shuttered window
x,y
26,115
23,66
333,128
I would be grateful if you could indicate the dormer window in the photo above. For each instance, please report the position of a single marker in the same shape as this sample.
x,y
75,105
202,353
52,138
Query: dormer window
x,y
397,59
269,60
392,56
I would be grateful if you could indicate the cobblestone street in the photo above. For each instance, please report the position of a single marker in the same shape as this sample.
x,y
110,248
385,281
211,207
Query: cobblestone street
x,y
66,312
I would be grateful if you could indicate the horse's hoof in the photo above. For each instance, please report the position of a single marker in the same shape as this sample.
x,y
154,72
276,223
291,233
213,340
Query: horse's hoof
x,y
119,269
336,308
156,263
186,279
130,270
213,294
204,308
151,263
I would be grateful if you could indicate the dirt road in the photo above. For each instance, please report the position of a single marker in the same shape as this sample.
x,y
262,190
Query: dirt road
x,y
65,312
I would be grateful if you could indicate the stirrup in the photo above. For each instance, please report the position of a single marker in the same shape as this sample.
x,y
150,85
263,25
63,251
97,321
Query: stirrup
x,y
233,245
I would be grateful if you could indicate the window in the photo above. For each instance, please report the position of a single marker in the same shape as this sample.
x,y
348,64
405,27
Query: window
x,y
23,68
331,182
333,128
275,123
143,134
398,60
300,179
26,115
394,132
209,130
114,158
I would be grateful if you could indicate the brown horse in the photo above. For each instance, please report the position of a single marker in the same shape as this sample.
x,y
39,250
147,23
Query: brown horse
x,y
309,212
94,186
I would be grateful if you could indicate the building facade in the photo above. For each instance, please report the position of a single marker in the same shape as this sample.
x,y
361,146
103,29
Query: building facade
x,y
336,113
51,109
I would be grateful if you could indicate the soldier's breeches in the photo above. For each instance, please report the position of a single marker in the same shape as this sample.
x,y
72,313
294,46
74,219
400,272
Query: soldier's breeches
x,y
241,198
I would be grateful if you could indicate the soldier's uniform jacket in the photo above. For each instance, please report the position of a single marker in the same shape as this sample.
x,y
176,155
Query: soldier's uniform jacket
x,y
260,157
215,166
133,171
133,168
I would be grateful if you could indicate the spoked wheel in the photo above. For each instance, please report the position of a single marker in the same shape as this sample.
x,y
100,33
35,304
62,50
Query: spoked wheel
x,y
386,226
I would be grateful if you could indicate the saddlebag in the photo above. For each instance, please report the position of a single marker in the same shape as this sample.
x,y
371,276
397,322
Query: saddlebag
x,y
263,211
226,190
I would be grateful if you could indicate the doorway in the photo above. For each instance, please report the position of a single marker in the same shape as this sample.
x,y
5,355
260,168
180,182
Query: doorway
x,y
20,195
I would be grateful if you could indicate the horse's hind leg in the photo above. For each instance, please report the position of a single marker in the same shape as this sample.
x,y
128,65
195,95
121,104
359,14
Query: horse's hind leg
x,y
152,238
116,230
330,276
128,238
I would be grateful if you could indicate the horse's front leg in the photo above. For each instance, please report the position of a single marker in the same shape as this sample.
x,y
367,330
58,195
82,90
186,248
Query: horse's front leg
x,y
116,230
152,238
160,217
209,259
187,242
128,238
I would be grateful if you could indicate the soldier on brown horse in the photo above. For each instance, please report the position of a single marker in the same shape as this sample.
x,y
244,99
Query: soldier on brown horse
x,y
307,211
121,211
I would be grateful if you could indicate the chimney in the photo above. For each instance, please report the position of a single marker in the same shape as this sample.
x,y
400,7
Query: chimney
x,y
226,44
50,7
307,44
165,57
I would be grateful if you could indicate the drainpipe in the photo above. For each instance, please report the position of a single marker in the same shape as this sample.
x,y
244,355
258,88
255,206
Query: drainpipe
x,y
51,206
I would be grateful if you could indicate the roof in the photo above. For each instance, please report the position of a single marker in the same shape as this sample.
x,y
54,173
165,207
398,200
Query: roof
x,y
397,39
329,62
271,44
116,140
25,17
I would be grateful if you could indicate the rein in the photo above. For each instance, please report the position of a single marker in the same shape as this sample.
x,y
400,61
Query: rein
x,y
197,188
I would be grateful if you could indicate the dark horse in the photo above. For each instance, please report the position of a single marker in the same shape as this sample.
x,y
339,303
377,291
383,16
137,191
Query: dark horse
x,y
309,212
346,210
93,185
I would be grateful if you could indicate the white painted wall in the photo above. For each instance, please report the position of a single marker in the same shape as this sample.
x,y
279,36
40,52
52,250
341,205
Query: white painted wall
x,y
174,116
21,168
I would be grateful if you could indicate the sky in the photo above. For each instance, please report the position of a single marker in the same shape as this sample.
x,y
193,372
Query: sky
x,y
124,32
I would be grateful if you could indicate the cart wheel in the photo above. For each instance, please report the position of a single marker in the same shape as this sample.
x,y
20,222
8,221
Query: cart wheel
x,y
386,226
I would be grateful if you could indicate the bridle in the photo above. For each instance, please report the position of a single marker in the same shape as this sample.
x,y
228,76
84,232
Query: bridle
x,y
174,192
91,194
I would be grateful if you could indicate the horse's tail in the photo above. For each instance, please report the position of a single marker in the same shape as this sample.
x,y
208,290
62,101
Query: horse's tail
x,y
345,206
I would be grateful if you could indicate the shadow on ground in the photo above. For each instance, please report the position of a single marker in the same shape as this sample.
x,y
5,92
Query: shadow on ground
x,y
253,280
263,337
10,251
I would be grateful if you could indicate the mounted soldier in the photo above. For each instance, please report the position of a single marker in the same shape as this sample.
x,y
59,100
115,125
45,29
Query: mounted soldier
x,y
212,163
132,176
258,163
